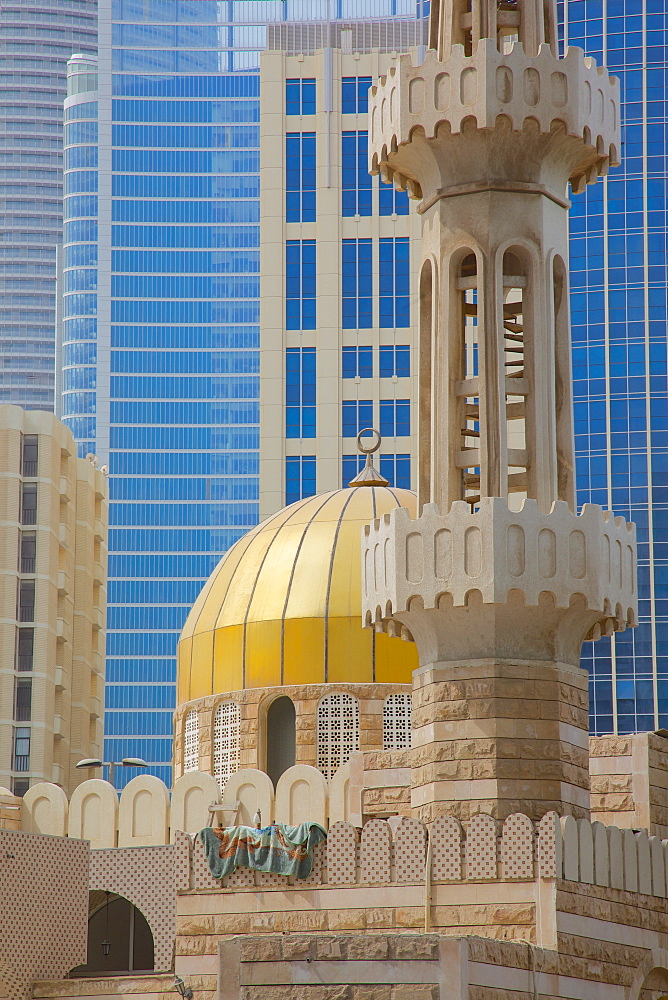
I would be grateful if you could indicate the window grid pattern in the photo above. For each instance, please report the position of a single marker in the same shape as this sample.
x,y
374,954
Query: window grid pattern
x,y
356,414
394,282
355,95
397,470
300,392
226,728
300,477
357,362
338,731
357,284
395,417
191,742
391,201
300,285
356,181
300,96
300,176
395,360
397,722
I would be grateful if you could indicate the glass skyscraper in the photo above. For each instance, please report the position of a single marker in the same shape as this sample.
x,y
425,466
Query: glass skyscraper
x,y
160,325
619,312
37,37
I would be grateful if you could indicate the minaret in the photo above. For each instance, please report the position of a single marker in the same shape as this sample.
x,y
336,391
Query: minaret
x,y
498,581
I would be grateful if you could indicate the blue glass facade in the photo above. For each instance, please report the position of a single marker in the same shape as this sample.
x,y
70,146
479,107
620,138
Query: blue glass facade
x,y
619,314
36,40
160,330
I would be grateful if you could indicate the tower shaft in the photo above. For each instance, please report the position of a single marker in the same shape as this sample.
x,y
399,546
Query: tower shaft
x,y
498,581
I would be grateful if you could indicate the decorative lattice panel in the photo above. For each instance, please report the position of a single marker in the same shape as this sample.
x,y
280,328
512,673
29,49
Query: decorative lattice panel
x,y
481,847
191,742
201,876
225,741
517,847
547,845
338,731
446,849
375,865
410,846
341,845
241,878
397,722
317,871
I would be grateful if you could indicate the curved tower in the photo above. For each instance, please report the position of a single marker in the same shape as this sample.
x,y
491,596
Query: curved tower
x,y
498,580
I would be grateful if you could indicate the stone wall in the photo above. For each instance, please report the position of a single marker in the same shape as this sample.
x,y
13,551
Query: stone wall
x,y
147,987
629,781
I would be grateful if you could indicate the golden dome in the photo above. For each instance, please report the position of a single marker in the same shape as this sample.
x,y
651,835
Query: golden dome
x,y
283,606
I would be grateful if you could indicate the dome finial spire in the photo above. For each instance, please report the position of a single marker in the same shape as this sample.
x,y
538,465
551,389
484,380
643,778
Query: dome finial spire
x,y
369,476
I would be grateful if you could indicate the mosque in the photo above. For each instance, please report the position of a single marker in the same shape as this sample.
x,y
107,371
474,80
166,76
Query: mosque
x,y
401,669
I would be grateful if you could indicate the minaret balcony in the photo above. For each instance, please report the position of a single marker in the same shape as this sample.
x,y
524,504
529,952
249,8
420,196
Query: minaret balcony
x,y
509,91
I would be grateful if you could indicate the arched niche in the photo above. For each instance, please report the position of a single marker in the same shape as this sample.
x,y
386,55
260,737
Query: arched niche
x,y
94,813
281,737
117,926
44,809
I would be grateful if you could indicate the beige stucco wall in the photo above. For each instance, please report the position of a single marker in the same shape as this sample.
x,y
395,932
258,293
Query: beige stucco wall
x,y
70,599
328,231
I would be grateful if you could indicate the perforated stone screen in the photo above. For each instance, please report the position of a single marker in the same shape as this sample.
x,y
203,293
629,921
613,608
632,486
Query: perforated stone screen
x,y
225,741
338,731
397,722
191,742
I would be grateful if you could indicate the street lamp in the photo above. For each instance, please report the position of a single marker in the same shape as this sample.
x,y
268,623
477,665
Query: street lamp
x,y
112,764
182,989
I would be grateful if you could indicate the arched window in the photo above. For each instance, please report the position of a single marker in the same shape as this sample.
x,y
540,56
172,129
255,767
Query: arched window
x,y
119,938
225,741
338,731
281,737
397,722
191,742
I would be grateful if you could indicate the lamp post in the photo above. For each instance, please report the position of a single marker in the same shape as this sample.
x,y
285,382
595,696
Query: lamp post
x,y
111,764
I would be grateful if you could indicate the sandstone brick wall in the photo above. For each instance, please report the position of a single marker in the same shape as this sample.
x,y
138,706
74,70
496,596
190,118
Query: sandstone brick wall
x,y
147,987
629,781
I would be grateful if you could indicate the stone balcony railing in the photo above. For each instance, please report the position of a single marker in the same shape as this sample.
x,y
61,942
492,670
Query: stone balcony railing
x,y
573,95
439,560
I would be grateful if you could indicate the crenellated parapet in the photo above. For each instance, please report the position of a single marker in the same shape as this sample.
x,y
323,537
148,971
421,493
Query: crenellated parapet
x,y
494,556
571,98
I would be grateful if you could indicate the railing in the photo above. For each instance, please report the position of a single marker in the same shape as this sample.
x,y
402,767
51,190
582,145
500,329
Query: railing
x,y
21,762
28,564
28,468
24,661
27,613
29,515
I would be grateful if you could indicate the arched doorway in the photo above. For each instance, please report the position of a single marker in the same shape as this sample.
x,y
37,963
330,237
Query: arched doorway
x,y
119,938
281,737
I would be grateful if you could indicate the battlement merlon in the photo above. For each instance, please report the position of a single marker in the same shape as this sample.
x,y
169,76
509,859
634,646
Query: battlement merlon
x,y
514,96
549,580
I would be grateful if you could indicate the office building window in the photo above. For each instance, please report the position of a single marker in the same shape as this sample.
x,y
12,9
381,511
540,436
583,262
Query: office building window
x,y
397,470
191,742
22,699
357,362
300,392
26,601
300,285
391,201
355,95
29,451
423,8
299,477
25,646
356,414
300,97
357,284
397,722
350,466
300,176
338,731
27,552
20,786
393,282
226,723
21,756
29,503
356,181
395,360
395,417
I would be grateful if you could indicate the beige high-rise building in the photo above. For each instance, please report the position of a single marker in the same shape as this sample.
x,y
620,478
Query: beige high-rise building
x,y
339,255
53,555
